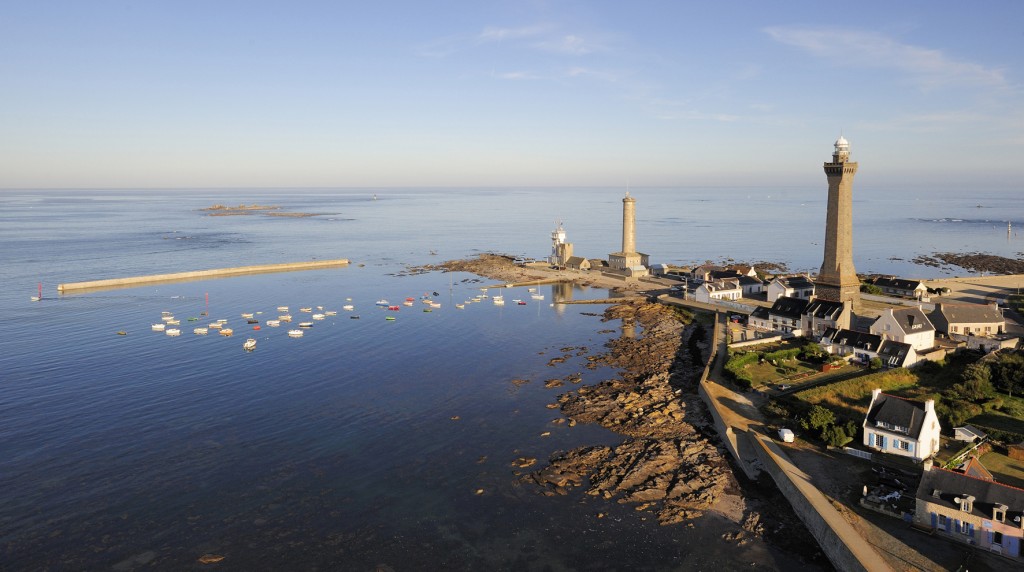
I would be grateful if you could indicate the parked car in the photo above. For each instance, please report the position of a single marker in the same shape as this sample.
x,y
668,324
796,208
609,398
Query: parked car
x,y
784,386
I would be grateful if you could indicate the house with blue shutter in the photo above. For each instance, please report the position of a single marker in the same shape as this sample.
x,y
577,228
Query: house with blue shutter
x,y
976,511
901,427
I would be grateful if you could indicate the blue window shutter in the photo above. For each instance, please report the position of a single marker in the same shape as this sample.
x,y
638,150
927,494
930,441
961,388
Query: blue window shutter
x,y
884,439
956,526
935,520
970,530
910,445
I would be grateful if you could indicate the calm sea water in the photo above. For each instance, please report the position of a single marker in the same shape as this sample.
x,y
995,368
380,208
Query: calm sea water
x,y
365,442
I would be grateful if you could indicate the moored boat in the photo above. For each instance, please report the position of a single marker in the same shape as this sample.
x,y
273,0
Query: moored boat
x,y
348,307
172,332
394,308
273,323
159,327
330,313
282,308
305,324
318,316
295,333
383,302
247,314
307,309
226,331
285,317
249,345
216,325
200,331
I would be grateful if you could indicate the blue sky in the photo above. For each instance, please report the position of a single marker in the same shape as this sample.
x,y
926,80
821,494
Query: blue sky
x,y
521,93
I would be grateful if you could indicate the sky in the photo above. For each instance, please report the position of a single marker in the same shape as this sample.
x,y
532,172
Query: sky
x,y
479,93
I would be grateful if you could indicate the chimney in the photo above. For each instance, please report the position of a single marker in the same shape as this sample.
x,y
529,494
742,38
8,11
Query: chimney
x,y
929,405
910,321
875,393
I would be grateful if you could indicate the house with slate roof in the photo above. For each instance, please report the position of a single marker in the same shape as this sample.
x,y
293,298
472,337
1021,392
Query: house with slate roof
x,y
858,346
901,427
784,316
897,354
821,315
893,286
792,286
577,263
718,290
751,285
906,325
975,511
968,319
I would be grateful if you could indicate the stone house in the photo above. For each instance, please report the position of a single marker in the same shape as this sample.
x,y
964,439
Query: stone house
x,y
821,315
968,319
577,263
906,325
901,427
978,512
893,286
791,286
718,290
784,316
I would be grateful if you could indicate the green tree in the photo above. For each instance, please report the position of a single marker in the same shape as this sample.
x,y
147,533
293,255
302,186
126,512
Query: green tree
x,y
835,436
817,417
871,289
1008,373
875,363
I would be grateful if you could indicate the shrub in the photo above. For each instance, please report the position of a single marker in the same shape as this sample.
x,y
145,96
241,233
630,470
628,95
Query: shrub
x,y
875,363
871,289
817,417
835,436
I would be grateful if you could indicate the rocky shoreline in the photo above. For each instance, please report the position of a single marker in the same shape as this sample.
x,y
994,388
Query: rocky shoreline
x,y
667,464
973,261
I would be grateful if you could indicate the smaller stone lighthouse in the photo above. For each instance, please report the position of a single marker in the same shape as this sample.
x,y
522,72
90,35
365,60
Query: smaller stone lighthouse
x,y
628,261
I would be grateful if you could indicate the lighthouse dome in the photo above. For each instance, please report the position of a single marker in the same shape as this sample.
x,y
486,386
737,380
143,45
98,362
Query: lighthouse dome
x,y
842,142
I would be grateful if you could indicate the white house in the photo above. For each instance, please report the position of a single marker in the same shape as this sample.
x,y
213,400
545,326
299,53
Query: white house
x,y
907,325
751,285
893,286
718,290
791,286
968,319
901,427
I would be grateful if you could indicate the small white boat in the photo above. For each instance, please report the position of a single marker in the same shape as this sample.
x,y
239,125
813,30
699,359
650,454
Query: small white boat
x,y
159,327
226,331
348,307
222,321
321,308
305,324
216,325
537,296
318,316
435,305
531,290
247,314
282,308
407,303
172,332
167,317
285,317
307,310
166,313
383,302
330,313
249,345
200,331
460,306
273,323
295,333
173,322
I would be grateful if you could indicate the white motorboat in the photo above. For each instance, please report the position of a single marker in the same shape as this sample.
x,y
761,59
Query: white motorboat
x,y
172,332
249,345
273,323
295,333
159,327
200,331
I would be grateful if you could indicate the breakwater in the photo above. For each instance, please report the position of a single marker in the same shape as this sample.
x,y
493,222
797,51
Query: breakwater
x,y
199,275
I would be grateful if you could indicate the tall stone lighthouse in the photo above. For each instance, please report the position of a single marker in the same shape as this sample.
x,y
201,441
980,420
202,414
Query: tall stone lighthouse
x,y
628,261
837,281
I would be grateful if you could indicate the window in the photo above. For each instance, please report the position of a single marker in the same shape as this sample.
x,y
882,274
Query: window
x,y
954,328
966,529
904,445
944,522
997,538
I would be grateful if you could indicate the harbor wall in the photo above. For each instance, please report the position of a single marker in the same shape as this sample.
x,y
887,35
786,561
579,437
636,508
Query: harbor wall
x,y
199,275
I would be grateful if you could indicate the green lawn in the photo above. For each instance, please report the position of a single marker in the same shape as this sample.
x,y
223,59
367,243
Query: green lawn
x,y
1006,470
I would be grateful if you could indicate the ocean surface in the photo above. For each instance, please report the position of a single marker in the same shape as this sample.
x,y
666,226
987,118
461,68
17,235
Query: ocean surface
x,y
367,443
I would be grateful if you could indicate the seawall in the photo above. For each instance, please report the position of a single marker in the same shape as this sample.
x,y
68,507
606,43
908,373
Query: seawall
x,y
199,275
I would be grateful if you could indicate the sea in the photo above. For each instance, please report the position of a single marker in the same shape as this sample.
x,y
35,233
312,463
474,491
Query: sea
x,y
367,444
